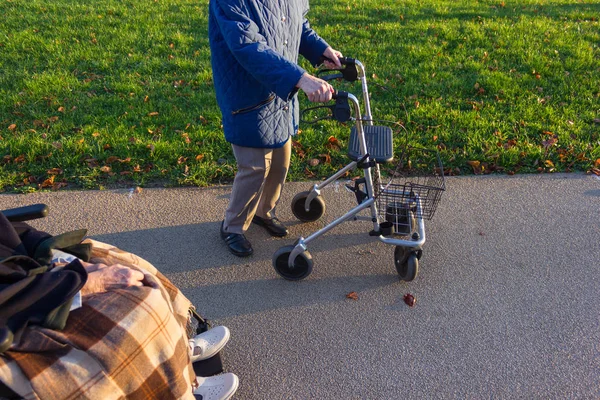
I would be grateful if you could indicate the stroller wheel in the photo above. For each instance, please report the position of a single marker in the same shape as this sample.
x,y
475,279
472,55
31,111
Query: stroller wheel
x,y
407,263
302,264
315,211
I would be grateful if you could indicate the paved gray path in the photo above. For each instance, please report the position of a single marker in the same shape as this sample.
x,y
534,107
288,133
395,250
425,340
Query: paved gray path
x,y
508,294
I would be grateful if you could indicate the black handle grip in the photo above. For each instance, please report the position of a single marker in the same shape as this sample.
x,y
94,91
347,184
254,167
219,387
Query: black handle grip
x,y
26,213
343,60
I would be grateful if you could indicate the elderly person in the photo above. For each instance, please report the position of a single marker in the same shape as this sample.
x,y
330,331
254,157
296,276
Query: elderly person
x,y
110,328
255,47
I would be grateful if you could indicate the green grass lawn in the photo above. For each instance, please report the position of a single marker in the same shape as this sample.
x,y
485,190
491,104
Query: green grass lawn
x,y
120,92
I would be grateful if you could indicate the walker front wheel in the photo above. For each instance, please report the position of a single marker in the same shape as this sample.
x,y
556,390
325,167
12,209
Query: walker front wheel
x,y
302,267
316,208
407,263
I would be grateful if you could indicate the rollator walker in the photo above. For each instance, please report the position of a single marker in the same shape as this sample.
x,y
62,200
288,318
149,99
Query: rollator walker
x,y
397,208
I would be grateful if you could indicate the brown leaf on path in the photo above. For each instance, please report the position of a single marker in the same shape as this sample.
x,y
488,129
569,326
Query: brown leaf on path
x,y
137,190
410,300
352,296
596,171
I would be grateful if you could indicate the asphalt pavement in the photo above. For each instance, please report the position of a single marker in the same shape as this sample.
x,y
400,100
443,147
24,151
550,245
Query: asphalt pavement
x,y
507,297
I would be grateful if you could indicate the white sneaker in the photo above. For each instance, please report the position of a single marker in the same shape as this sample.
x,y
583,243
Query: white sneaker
x,y
209,343
219,387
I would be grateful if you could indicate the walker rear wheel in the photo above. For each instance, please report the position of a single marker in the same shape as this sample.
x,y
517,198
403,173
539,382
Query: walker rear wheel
x,y
315,211
407,263
302,267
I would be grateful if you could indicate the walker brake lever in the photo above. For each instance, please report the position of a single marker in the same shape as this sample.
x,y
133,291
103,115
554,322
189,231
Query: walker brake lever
x,y
348,72
340,111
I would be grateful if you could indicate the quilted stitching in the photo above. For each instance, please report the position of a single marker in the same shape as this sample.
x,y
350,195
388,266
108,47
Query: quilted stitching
x,y
241,77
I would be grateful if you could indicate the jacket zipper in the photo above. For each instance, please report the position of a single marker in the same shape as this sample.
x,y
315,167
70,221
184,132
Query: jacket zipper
x,y
254,107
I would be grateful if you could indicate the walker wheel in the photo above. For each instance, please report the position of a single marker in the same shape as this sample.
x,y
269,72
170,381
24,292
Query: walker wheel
x,y
315,211
407,263
302,264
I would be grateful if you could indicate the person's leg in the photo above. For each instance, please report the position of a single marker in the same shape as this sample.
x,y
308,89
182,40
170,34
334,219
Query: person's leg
x,y
253,167
280,164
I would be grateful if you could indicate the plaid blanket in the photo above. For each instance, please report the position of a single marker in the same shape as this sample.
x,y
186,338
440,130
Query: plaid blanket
x,y
127,343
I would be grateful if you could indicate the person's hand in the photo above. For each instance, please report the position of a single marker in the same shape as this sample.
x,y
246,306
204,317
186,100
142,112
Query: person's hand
x,y
317,90
334,56
102,278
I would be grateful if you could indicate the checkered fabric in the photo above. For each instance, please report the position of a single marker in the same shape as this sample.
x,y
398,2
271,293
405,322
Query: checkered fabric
x,y
127,343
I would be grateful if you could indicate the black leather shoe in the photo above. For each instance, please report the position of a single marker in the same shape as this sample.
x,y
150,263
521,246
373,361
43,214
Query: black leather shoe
x,y
272,225
236,243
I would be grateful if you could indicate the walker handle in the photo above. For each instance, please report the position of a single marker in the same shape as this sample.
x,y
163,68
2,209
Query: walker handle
x,y
348,72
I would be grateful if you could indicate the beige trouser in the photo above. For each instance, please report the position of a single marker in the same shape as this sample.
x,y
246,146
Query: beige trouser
x,y
257,185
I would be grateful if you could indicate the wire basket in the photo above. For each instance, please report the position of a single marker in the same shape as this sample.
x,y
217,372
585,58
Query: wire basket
x,y
414,190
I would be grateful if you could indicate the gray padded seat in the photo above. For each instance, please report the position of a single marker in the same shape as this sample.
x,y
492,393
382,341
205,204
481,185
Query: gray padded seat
x,y
379,143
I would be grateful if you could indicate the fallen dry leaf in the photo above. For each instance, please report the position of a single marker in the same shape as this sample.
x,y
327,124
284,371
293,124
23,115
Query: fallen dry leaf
x,y
313,162
352,296
153,114
105,168
48,182
54,171
410,300
12,127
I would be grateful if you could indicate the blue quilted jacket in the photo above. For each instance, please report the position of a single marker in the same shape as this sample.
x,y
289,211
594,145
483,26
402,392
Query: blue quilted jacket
x,y
254,52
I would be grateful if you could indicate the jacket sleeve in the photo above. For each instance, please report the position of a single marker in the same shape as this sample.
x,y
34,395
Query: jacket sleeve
x,y
251,50
312,46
